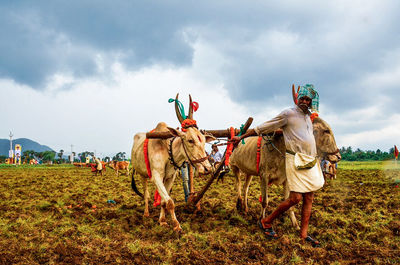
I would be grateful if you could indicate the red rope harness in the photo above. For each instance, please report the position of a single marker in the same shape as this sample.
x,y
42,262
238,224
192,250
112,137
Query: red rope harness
x,y
258,153
229,148
313,116
157,197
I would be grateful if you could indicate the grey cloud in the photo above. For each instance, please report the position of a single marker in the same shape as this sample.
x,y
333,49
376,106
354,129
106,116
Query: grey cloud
x,y
333,47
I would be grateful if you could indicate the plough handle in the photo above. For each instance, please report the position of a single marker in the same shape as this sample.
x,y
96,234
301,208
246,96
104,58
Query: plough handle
x,y
219,168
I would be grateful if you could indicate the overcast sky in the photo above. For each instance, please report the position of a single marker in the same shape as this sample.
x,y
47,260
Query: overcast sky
x,y
94,73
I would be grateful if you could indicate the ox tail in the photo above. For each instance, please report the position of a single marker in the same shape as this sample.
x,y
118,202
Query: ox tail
x,y
133,184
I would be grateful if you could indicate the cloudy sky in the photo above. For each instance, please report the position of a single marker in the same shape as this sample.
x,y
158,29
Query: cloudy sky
x,y
94,73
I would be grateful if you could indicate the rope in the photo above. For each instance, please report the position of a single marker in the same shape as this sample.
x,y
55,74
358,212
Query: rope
x,y
241,132
157,197
229,148
258,153
180,106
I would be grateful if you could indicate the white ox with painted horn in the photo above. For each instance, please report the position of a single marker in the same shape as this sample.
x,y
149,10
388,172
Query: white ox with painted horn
x,y
165,156
272,162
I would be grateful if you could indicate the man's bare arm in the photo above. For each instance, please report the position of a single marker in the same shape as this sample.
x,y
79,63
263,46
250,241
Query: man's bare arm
x,y
250,132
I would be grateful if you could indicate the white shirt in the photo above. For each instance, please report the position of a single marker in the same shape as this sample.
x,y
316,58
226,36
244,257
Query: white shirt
x,y
297,130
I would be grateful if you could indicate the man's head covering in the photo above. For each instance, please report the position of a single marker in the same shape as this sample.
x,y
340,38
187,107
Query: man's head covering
x,y
309,91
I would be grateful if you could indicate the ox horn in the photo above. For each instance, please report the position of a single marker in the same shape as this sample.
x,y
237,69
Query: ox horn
x,y
294,95
178,113
190,115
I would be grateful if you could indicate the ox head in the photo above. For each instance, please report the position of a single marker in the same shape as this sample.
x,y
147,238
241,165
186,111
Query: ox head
x,y
325,141
193,141
193,147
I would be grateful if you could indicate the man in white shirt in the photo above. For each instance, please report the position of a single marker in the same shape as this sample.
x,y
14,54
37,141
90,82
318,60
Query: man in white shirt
x,y
300,143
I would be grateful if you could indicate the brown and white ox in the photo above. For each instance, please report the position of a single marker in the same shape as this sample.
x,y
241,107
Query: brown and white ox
x,y
272,163
119,165
184,146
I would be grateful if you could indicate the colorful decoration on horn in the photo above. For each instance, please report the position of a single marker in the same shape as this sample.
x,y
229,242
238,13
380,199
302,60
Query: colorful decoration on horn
x,y
396,152
186,121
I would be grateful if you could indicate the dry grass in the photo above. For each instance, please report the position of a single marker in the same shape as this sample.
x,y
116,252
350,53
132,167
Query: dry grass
x,y
60,215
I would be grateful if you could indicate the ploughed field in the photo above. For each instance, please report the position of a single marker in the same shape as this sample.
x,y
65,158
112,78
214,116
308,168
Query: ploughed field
x,y
65,215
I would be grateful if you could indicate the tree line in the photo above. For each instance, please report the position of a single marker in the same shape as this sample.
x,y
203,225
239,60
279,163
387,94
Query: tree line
x,y
57,157
349,154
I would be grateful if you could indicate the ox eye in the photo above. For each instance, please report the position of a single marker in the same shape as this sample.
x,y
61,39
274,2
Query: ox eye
x,y
191,141
327,131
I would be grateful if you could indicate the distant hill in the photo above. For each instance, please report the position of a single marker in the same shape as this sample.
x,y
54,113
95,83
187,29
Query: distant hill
x,y
25,143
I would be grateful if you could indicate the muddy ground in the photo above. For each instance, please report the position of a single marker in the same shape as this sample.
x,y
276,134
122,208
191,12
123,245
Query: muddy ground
x,y
64,215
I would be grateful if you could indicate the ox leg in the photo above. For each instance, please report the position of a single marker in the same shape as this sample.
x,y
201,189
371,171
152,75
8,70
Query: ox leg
x,y
166,199
171,208
246,192
238,186
162,219
291,212
146,196
264,195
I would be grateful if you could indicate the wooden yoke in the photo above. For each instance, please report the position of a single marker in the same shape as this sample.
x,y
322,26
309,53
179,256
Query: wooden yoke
x,y
215,133
200,195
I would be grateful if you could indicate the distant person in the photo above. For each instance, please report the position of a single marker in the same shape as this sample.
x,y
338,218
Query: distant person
x,y
215,155
99,165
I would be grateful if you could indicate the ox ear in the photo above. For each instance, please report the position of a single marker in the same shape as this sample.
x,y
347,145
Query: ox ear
x,y
175,132
209,138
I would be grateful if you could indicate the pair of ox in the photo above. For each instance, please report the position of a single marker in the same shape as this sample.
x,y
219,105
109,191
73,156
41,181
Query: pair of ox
x,y
272,163
185,145
189,146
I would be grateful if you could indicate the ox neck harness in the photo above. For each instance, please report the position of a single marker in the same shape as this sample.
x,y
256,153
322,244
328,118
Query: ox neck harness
x,y
192,162
171,156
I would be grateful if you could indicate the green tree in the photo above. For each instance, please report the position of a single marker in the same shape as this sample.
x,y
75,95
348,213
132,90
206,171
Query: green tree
x,y
120,156
60,154
48,156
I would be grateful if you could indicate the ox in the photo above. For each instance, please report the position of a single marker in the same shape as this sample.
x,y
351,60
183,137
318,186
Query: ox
x,y
119,165
272,163
165,156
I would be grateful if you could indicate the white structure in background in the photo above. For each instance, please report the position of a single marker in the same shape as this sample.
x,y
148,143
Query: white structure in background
x,y
11,151
71,157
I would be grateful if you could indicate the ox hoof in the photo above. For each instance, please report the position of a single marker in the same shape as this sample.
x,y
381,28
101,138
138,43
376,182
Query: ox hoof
x,y
146,214
164,224
178,229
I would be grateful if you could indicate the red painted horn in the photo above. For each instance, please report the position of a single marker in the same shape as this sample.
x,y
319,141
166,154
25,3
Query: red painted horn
x,y
294,94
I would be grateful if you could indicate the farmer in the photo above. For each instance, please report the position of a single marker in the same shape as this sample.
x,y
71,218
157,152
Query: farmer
x,y
99,165
215,154
300,152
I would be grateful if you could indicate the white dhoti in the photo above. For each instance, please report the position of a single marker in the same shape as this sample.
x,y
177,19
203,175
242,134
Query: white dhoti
x,y
305,179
